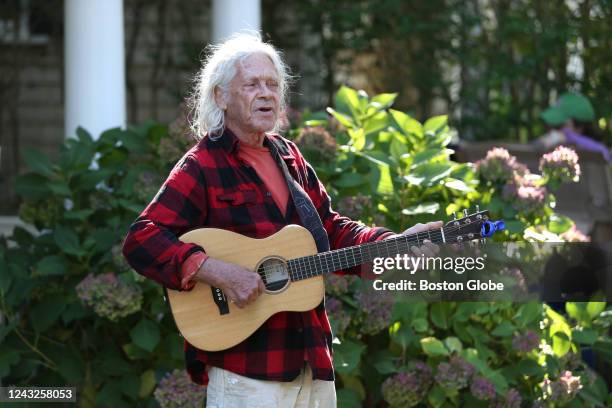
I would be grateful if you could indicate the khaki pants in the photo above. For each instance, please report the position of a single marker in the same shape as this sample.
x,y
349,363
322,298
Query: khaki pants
x,y
229,390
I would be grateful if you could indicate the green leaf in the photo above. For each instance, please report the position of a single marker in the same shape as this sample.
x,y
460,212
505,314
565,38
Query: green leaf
x,y
429,155
349,180
344,120
528,313
407,125
383,362
432,173
45,313
60,188
51,265
398,146
134,142
375,123
347,101
384,99
8,357
603,348
420,324
594,309
147,383
424,208
130,386
145,334
529,367
402,334
439,314
80,215
453,344
133,352
504,329
584,336
358,138
70,367
435,124
67,241
458,185
348,398
561,344
32,186
433,347
38,162
347,355
436,396
558,224
577,311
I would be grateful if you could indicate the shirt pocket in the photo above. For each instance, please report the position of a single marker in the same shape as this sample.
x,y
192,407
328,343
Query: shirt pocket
x,y
239,197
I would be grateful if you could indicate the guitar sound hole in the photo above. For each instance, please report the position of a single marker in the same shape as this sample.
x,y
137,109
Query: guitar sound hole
x,y
273,272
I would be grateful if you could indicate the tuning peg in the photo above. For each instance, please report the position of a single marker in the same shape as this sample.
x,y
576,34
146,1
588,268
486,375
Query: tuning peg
x,y
477,208
465,212
454,216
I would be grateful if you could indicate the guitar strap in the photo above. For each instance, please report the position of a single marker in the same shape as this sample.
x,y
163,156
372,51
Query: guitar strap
x,y
305,208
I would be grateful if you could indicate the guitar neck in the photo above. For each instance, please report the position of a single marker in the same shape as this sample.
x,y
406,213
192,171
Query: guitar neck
x,y
331,261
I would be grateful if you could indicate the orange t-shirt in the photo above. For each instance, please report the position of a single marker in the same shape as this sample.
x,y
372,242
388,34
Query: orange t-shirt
x,y
261,160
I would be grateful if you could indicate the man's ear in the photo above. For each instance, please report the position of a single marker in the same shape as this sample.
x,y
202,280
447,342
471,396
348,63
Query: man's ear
x,y
220,98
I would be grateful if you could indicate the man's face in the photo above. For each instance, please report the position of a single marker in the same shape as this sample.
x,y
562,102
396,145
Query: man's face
x,y
253,96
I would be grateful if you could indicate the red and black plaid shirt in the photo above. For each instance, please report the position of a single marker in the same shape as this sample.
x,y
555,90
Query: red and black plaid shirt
x,y
211,187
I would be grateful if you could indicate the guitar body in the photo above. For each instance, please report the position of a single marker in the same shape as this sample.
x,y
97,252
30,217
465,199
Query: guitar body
x,y
198,317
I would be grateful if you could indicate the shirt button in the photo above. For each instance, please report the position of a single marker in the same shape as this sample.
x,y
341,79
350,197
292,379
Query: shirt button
x,y
268,194
300,330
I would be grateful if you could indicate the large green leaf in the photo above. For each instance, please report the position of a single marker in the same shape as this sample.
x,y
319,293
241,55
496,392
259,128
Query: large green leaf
x,y
45,313
407,125
561,344
376,122
504,329
439,314
433,347
384,100
347,355
347,101
435,124
145,334
350,180
67,241
32,186
432,173
38,162
344,120
51,265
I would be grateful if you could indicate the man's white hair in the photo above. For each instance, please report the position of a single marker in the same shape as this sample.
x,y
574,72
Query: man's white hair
x,y
218,70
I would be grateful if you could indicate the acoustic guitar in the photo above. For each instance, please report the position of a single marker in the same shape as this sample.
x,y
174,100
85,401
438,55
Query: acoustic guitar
x,y
292,272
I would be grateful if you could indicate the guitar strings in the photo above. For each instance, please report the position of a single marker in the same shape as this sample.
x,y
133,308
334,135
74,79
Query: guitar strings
x,y
302,271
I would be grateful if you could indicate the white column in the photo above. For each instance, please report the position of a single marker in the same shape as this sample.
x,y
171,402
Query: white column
x,y
95,66
231,16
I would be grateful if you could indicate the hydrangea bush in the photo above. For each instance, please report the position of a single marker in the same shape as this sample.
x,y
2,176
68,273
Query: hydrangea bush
x,y
73,312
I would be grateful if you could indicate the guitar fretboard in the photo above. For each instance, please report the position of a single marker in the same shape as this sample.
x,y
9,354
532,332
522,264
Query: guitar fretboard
x,y
331,261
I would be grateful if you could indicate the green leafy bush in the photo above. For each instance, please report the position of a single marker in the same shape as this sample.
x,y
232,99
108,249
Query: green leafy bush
x,y
73,312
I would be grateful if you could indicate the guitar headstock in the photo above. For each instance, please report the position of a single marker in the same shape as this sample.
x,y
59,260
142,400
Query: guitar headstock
x,y
471,226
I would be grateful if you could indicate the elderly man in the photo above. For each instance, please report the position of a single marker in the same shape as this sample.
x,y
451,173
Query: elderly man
x,y
231,180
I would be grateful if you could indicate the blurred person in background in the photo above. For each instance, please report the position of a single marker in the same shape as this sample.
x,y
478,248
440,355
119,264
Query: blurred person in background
x,y
571,121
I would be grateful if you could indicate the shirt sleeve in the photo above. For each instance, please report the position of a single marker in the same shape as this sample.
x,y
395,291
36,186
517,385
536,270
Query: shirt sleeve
x,y
342,231
152,246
